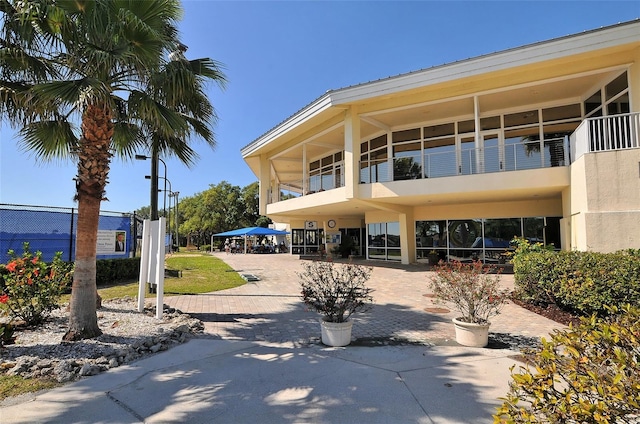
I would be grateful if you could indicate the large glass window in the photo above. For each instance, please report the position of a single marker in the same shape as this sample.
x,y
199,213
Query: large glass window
x,y
326,173
440,157
468,164
487,240
522,149
383,241
305,242
407,163
431,236
374,166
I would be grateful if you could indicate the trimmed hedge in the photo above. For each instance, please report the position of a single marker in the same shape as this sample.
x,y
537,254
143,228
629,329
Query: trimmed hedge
x,y
109,271
584,283
112,270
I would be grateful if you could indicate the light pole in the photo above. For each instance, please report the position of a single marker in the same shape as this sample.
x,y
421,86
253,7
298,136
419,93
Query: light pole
x,y
154,182
175,209
164,209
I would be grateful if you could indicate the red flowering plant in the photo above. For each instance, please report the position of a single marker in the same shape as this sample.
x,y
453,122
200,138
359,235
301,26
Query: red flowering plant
x,y
30,288
473,289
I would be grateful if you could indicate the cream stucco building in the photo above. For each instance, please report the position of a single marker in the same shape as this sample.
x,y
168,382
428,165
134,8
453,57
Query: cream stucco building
x,y
540,141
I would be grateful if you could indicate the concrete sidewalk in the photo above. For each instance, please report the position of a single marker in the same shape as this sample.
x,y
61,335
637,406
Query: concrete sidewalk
x,y
262,361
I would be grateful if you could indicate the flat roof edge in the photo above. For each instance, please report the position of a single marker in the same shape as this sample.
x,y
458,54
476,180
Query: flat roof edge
x,y
592,40
293,121
589,40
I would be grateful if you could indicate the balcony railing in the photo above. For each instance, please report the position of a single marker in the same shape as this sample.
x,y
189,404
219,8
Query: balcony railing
x,y
510,157
619,132
314,184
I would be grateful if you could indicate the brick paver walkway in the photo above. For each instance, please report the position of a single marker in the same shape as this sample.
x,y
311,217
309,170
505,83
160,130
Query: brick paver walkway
x,y
271,310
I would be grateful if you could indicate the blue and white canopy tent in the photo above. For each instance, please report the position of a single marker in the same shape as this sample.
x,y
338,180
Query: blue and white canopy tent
x,y
251,231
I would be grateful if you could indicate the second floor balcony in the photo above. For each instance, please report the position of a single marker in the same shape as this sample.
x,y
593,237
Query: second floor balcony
x,y
618,132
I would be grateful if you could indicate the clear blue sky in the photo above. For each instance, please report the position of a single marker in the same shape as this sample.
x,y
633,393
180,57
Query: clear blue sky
x,y
280,56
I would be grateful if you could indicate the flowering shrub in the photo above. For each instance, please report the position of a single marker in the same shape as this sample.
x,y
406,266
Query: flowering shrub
x,y
589,373
336,291
30,288
472,289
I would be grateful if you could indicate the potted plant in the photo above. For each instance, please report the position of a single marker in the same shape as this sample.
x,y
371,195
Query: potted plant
x,y
434,258
345,248
336,291
475,293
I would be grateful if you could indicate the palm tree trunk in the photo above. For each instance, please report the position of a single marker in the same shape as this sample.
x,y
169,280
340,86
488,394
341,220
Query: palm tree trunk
x,y
83,321
94,156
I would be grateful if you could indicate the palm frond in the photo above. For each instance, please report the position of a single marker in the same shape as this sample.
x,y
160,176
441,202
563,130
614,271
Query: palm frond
x,y
155,115
49,140
176,147
210,69
127,139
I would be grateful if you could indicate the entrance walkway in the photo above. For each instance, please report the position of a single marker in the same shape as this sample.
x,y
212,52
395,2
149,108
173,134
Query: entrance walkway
x,y
271,309
268,366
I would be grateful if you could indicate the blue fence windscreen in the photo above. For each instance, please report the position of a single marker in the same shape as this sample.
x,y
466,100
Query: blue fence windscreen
x,y
52,231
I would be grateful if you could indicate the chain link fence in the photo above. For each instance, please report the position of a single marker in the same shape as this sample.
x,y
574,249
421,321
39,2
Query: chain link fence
x,y
53,229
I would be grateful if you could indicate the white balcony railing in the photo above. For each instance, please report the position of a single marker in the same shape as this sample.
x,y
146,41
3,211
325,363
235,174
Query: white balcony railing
x,y
619,132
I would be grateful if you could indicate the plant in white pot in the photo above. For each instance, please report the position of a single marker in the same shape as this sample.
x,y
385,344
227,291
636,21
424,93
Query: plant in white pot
x,y
475,293
336,291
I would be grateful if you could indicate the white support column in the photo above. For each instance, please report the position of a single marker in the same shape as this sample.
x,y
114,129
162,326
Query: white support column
x,y
305,171
352,152
265,182
407,237
478,143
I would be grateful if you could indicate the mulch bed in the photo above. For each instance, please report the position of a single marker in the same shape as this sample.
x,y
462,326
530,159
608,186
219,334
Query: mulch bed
x,y
550,311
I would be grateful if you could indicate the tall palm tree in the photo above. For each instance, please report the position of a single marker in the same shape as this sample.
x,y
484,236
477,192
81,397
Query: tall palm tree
x,y
102,63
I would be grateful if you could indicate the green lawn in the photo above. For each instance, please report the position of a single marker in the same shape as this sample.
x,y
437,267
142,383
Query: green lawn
x,y
201,273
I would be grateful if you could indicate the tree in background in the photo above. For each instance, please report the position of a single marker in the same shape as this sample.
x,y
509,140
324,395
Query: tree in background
x,y
102,64
222,207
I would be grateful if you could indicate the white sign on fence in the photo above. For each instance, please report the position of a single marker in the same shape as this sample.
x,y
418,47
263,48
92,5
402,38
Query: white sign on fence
x,y
111,242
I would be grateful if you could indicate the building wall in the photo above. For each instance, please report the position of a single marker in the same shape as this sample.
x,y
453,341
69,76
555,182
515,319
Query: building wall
x,y
605,201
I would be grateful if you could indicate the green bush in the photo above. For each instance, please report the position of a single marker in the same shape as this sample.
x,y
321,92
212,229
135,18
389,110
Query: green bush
x,y
587,374
580,282
31,288
109,271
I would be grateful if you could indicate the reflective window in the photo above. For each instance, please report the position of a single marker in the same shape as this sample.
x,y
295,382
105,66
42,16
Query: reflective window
x,y
561,112
383,241
616,86
521,118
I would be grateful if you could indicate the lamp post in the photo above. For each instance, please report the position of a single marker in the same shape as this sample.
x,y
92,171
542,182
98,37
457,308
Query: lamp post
x,y
164,210
175,209
154,182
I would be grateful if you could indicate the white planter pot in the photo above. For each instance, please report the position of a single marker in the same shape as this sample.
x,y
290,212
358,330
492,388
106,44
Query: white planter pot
x,y
470,334
336,333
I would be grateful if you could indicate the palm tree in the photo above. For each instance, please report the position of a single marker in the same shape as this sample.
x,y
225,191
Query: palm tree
x,y
102,63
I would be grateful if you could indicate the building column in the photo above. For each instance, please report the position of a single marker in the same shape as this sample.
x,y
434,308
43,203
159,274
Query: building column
x,y
351,152
634,82
264,189
407,237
